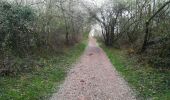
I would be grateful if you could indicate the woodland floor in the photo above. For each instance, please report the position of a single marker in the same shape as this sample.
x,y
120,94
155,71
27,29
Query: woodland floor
x,y
94,78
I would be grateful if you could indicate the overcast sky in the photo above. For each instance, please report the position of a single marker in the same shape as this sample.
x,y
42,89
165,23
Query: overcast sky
x,y
97,2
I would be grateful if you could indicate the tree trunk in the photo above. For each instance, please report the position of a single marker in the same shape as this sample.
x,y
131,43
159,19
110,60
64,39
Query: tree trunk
x,y
147,34
145,37
66,27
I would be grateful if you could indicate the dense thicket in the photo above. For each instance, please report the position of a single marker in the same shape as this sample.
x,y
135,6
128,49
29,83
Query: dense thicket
x,y
140,25
28,29
16,28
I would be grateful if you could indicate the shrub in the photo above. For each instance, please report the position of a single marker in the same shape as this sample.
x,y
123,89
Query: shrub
x,y
17,37
16,28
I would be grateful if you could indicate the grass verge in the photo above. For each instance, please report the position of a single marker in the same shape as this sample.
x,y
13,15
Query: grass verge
x,y
40,83
149,83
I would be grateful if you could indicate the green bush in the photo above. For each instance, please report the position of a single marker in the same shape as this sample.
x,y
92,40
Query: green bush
x,y
16,32
17,38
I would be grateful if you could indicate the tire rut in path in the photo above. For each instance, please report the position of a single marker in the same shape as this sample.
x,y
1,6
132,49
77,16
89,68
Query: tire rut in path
x,y
94,78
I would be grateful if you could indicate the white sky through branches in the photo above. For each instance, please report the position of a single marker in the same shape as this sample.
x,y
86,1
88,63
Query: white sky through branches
x,y
98,2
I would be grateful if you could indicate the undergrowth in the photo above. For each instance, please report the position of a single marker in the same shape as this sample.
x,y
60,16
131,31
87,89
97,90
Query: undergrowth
x,y
148,82
41,82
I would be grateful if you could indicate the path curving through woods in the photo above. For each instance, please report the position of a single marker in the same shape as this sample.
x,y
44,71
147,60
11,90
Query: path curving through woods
x,y
94,78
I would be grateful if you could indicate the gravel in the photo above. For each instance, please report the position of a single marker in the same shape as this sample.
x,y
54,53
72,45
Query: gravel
x,y
94,78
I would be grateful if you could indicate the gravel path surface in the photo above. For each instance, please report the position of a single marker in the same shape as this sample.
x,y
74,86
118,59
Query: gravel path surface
x,y
94,78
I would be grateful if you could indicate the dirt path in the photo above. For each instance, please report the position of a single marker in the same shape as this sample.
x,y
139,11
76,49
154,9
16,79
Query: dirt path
x,y
94,78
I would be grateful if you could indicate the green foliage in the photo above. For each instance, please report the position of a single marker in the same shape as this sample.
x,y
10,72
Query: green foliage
x,y
26,32
16,28
148,82
142,26
41,82
17,38
33,56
